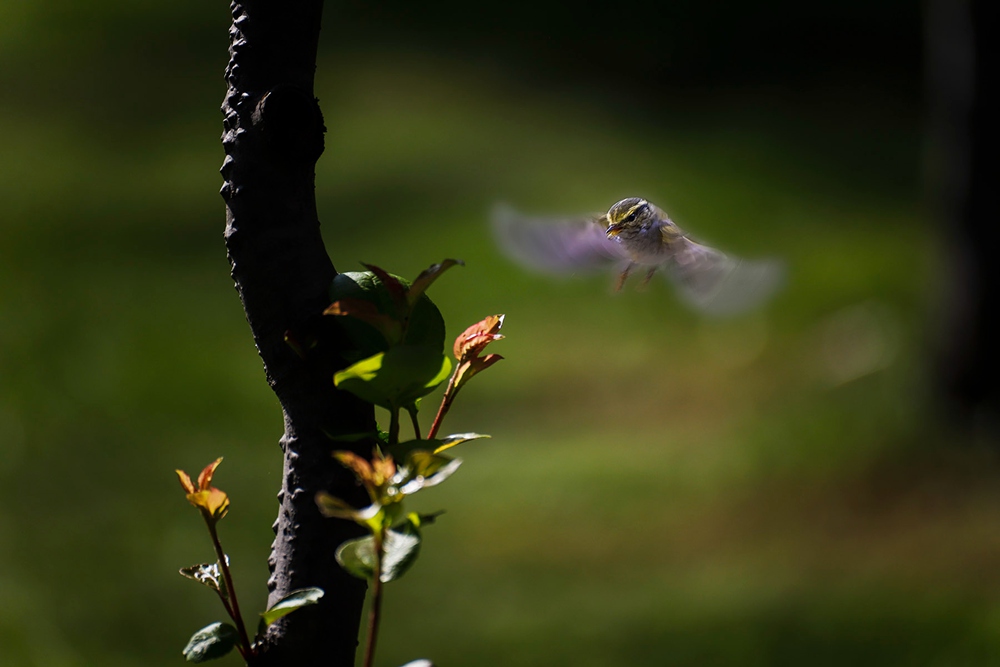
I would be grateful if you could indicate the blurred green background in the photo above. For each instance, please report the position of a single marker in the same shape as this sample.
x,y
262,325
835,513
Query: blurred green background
x,y
660,490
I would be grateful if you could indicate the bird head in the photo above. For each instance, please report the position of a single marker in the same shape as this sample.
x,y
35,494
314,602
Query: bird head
x,y
628,215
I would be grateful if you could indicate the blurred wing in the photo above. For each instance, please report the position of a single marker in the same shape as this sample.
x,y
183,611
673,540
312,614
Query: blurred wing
x,y
721,285
555,246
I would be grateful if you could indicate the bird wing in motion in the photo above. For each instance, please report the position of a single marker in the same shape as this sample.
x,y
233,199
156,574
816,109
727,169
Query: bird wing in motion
x,y
707,279
717,284
556,246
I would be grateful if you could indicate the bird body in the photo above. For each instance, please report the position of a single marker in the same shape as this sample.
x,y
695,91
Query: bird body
x,y
634,233
646,234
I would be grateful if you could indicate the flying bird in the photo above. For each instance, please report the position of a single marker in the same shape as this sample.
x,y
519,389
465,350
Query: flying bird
x,y
637,234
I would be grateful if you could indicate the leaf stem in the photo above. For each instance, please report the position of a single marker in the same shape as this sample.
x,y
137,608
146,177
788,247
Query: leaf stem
x,y
246,649
416,424
375,613
446,400
393,426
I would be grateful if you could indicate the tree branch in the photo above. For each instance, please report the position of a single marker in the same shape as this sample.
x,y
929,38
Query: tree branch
x,y
273,135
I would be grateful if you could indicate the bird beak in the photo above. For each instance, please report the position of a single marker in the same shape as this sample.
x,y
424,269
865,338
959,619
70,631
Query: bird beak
x,y
613,230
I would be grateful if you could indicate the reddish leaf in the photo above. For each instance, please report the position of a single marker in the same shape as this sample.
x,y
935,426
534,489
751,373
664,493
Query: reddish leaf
x,y
470,367
359,308
213,502
205,478
185,481
335,508
474,339
357,464
428,276
383,468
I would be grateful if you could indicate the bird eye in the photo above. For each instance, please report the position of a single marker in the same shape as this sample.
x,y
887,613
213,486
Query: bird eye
x,y
630,217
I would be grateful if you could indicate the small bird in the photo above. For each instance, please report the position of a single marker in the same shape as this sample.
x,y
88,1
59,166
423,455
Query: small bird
x,y
635,233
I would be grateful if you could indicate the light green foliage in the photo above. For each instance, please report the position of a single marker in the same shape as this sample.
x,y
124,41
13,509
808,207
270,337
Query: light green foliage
x,y
400,327
424,469
297,599
425,326
396,378
400,550
436,446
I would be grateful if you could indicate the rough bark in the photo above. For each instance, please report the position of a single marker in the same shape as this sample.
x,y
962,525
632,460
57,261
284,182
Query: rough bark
x,y
963,127
273,135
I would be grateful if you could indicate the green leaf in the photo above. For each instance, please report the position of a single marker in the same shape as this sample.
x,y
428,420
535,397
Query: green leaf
x,y
424,469
425,324
211,642
401,548
357,556
419,520
428,276
294,600
399,551
401,450
444,370
396,287
378,435
362,380
391,514
390,327
365,339
396,378
450,441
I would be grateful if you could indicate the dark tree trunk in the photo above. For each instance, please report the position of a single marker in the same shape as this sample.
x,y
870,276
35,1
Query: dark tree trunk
x,y
273,137
963,124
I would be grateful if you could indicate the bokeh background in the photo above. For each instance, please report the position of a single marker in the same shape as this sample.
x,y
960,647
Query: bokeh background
x,y
661,489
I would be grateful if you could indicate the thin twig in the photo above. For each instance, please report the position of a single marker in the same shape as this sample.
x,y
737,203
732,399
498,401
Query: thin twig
x,y
444,407
375,613
393,426
246,649
416,424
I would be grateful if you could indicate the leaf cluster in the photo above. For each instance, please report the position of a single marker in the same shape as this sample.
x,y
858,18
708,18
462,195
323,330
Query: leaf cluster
x,y
398,329
396,353
393,532
218,639
398,358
